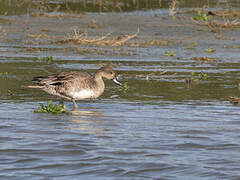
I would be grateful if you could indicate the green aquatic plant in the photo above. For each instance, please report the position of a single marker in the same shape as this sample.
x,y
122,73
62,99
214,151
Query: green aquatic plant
x,y
48,58
125,87
51,108
170,53
210,50
201,17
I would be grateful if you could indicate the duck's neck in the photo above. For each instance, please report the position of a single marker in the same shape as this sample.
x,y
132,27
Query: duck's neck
x,y
99,82
98,76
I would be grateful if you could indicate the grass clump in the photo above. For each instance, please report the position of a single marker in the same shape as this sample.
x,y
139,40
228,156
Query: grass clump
x,y
201,17
51,108
210,50
170,53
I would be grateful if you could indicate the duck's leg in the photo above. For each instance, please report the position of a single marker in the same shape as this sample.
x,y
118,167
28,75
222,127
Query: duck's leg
x,y
75,106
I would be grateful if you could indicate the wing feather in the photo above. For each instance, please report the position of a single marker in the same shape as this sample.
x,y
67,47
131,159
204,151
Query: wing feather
x,y
58,79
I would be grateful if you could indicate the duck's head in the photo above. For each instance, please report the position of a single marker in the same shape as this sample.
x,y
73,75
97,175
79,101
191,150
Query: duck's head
x,y
108,73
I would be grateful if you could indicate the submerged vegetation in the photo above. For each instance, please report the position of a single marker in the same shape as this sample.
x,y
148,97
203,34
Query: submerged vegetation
x,y
51,108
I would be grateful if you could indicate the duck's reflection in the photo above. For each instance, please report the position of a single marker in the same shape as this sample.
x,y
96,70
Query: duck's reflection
x,y
87,120
83,112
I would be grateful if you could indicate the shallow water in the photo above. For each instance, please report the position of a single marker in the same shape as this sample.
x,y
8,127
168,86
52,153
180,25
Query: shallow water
x,y
159,128
121,140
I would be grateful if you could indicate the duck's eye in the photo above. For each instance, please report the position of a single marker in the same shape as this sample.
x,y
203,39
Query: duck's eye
x,y
112,72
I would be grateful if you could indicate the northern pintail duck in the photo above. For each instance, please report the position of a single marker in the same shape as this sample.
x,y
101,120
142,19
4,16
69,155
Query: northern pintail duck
x,y
76,85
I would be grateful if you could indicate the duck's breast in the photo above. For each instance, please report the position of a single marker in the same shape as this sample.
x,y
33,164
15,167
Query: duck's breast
x,y
82,94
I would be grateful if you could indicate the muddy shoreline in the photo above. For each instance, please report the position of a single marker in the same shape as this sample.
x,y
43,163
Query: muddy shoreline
x,y
181,32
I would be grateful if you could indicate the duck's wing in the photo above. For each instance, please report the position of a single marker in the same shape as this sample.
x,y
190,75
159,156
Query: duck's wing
x,y
58,79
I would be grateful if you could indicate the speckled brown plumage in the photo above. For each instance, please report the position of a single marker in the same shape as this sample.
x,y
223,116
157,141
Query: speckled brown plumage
x,y
75,85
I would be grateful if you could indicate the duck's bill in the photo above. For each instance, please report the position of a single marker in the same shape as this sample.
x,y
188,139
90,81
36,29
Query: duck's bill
x,y
117,81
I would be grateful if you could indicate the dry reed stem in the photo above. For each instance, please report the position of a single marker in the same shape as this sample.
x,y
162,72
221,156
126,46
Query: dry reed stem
x,y
228,13
172,7
82,38
2,32
158,43
60,15
125,39
204,58
40,36
46,11
218,36
155,75
214,25
6,20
